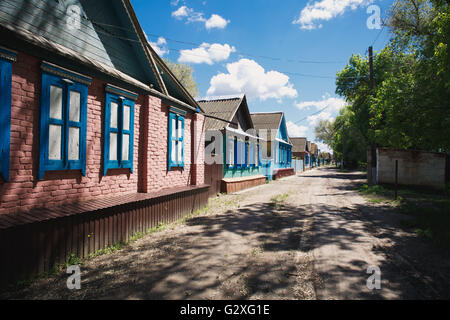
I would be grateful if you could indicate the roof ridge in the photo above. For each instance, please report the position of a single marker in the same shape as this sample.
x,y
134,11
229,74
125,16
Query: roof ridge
x,y
221,98
269,112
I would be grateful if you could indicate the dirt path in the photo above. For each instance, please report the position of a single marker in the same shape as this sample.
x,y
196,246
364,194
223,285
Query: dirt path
x,y
306,237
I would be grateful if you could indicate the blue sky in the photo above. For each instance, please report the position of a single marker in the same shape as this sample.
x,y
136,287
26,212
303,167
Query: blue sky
x,y
259,47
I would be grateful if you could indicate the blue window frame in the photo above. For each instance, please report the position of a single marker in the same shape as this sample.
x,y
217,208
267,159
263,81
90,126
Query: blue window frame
x,y
119,129
6,59
251,152
259,154
235,146
176,140
246,154
238,154
63,119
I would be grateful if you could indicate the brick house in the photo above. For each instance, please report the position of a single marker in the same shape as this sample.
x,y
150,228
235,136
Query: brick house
x,y
97,134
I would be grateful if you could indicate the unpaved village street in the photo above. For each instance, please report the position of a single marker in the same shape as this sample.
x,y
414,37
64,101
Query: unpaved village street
x,y
306,237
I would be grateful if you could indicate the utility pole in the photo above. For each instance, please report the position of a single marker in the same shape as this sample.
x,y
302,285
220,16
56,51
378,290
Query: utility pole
x,y
373,149
342,139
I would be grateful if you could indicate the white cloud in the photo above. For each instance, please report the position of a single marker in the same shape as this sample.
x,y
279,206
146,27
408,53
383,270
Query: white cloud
x,y
314,120
247,76
182,12
325,10
216,21
296,130
334,104
160,46
323,147
207,53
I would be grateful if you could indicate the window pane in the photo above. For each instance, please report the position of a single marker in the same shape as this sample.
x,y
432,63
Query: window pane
x,y
56,102
126,118
173,152
74,113
174,128
180,128
54,142
230,153
113,146
114,115
180,150
126,147
74,143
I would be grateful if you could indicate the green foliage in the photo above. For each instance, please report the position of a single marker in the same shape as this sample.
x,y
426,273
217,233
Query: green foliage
x,y
409,106
184,74
324,131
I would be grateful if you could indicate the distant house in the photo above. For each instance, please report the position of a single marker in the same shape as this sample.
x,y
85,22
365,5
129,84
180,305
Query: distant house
x,y
239,154
314,155
271,126
326,158
300,150
99,140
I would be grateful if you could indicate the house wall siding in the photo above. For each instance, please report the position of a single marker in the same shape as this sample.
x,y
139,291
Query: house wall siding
x,y
24,191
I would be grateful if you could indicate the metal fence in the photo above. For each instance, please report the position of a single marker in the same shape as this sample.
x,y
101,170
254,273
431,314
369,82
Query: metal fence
x,y
29,248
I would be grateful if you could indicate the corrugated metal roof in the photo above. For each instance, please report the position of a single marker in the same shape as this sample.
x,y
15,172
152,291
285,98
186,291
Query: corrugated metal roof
x,y
219,108
269,120
299,144
108,37
314,149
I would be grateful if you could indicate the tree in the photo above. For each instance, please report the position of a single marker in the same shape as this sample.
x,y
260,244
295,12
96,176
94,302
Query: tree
x,y
409,106
347,138
324,131
184,74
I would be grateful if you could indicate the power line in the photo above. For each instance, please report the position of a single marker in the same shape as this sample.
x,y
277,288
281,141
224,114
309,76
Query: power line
x,y
306,61
315,113
384,24
102,30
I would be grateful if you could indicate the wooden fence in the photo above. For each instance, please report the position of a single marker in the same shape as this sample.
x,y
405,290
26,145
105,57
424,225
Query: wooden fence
x,y
213,177
35,242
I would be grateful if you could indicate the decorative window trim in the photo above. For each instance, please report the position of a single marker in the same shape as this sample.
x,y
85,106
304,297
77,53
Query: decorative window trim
x,y
65,73
177,117
67,85
177,111
121,92
6,59
125,98
8,55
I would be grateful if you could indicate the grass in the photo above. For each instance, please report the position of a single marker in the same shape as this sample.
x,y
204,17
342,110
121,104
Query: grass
x,y
429,210
278,201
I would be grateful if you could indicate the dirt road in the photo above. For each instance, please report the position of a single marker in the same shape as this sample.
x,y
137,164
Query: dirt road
x,y
305,237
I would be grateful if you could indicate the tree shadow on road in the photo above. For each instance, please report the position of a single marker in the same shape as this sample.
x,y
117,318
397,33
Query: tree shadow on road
x,y
260,251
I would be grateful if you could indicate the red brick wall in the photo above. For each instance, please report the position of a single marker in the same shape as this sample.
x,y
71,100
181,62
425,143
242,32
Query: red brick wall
x,y
199,150
150,174
158,175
